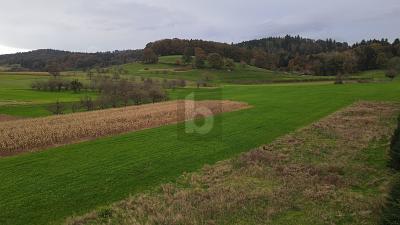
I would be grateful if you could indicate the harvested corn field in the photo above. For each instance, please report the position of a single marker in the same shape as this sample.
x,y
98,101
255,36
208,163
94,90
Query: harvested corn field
x,y
31,134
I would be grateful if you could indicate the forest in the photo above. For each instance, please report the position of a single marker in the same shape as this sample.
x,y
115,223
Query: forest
x,y
307,56
56,60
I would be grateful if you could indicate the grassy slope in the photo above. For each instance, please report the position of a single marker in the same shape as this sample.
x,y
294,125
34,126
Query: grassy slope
x,y
50,185
249,74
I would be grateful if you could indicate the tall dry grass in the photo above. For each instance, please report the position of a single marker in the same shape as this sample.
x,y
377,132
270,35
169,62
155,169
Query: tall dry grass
x,y
30,134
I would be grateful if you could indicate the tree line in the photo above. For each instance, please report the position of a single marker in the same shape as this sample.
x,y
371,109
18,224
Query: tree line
x,y
112,92
55,60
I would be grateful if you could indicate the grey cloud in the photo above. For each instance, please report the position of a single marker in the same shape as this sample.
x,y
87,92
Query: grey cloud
x,y
125,24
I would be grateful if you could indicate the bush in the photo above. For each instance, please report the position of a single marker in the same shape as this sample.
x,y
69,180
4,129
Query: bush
x,y
391,74
57,108
391,212
230,64
215,60
395,148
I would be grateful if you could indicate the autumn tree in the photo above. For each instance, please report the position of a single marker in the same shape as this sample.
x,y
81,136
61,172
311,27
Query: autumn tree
x,y
215,60
149,56
259,59
200,57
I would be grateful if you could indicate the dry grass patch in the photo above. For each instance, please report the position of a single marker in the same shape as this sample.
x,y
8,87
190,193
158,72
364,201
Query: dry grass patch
x,y
30,134
317,175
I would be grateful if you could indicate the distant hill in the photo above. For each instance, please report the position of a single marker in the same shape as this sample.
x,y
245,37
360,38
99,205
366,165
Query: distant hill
x,y
289,53
39,60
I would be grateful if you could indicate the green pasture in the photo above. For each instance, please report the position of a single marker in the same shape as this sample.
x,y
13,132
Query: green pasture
x,y
48,186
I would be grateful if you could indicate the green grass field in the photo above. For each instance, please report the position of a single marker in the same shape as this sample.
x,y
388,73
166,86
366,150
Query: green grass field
x,y
168,69
46,187
18,99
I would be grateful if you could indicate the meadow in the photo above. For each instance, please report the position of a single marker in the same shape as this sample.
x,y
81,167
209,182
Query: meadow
x,y
331,172
168,68
51,185
18,99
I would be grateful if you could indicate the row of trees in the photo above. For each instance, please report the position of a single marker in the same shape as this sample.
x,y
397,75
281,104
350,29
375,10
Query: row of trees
x,y
99,83
196,57
55,84
116,93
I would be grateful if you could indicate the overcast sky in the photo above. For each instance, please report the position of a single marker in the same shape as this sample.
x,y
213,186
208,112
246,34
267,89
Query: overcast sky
x,y
101,25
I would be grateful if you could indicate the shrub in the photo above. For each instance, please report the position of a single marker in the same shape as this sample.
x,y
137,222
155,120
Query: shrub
x,y
395,148
230,64
215,60
391,74
391,212
76,86
57,108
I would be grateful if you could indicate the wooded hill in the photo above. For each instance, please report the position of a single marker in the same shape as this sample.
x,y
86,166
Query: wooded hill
x,y
289,53
318,57
41,60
